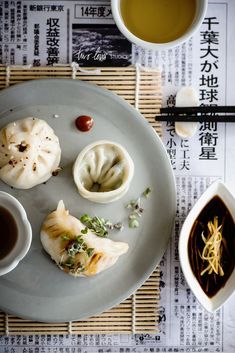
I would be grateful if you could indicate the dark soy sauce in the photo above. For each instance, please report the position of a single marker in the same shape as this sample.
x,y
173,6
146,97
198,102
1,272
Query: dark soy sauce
x,y
8,232
212,283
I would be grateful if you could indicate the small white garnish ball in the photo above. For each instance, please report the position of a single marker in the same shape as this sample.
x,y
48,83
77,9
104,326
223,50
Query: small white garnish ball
x,y
29,153
186,97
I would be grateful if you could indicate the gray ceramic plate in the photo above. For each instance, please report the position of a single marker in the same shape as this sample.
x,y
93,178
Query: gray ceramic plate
x,y
37,289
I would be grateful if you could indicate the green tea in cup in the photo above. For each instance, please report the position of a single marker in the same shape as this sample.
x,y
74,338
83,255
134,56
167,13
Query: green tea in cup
x,y
158,21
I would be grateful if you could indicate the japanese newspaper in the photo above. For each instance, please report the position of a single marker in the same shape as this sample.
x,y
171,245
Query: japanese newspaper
x,y
59,32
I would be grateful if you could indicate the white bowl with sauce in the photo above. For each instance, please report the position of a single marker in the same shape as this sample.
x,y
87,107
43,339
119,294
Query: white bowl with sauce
x,y
217,201
20,233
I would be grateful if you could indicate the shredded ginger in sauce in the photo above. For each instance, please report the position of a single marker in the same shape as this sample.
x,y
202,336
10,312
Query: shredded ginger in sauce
x,y
211,246
212,252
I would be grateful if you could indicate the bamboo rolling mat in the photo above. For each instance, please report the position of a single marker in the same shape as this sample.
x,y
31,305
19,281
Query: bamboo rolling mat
x,y
140,312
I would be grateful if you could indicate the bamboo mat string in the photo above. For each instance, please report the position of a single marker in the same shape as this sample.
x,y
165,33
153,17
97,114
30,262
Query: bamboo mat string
x,y
8,75
74,67
133,313
21,67
6,325
70,327
137,85
77,68
8,71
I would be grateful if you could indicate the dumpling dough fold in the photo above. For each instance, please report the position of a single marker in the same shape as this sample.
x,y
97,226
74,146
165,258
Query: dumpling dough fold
x,y
76,253
103,171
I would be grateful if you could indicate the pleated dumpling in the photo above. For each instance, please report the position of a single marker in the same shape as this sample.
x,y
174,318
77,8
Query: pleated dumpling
x,y
74,248
29,153
103,171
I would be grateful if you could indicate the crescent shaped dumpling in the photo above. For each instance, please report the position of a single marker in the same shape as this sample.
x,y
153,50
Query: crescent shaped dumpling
x,y
103,171
76,253
29,153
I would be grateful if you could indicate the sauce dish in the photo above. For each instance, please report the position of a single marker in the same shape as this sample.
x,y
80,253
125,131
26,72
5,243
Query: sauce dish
x,y
24,233
224,283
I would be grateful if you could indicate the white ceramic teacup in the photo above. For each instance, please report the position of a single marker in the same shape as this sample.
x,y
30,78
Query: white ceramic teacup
x,y
24,238
201,7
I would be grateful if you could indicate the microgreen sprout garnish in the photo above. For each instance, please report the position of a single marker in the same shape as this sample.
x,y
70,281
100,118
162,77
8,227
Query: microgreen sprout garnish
x,y
118,226
65,237
136,210
79,268
99,225
69,262
85,218
73,268
90,252
212,251
95,224
132,204
84,231
76,246
147,192
134,223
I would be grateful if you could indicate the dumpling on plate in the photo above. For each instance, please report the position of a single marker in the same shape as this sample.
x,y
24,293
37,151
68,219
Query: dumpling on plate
x,y
103,171
75,249
29,153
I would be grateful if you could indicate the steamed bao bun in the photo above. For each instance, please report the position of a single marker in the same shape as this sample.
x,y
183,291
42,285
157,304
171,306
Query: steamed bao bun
x,y
29,153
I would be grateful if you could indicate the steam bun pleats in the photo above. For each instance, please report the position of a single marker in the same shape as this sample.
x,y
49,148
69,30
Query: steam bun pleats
x,y
29,153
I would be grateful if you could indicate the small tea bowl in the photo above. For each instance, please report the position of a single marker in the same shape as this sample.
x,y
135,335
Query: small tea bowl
x,y
201,8
221,296
24,238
